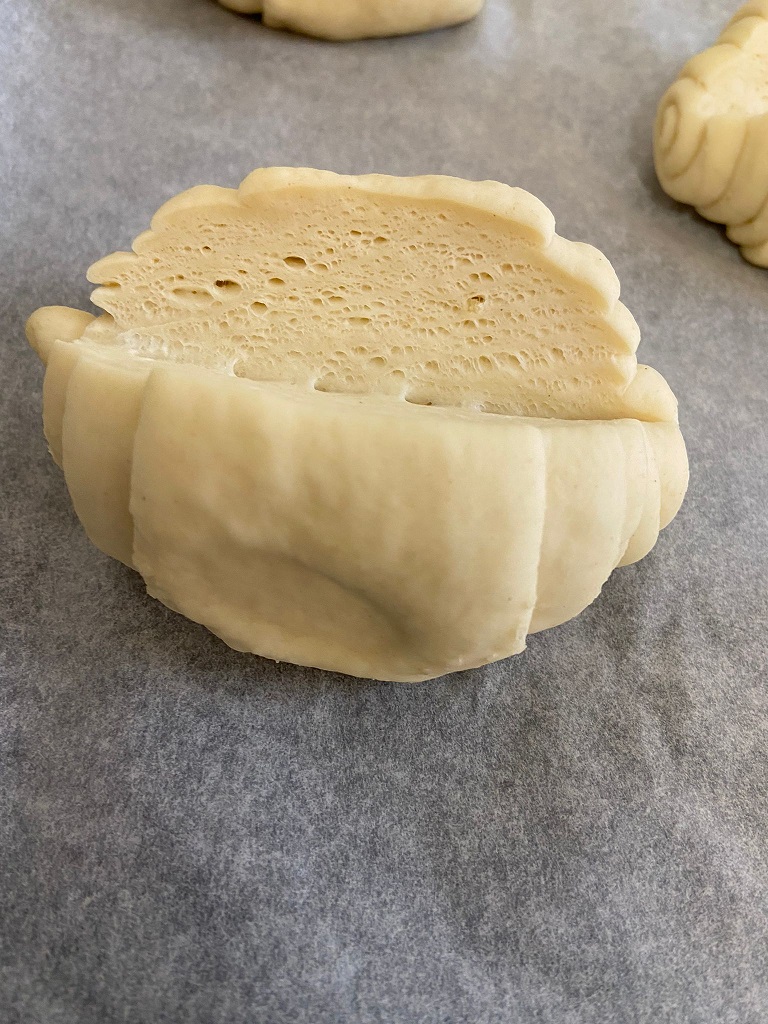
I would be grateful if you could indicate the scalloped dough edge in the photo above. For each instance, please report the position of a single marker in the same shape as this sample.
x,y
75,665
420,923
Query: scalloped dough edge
x,y
580,262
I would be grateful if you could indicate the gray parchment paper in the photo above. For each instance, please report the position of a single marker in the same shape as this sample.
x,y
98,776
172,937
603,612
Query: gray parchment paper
x,y
574,836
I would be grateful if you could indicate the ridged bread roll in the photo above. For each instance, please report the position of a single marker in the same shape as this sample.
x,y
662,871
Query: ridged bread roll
x,y
386,426
358,19
711,134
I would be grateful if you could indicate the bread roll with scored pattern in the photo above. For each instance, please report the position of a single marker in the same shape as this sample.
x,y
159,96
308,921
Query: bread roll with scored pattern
x,y
711,134
357,19
385,426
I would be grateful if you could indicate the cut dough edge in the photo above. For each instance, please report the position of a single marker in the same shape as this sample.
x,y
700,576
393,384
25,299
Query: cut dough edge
x,y
592,373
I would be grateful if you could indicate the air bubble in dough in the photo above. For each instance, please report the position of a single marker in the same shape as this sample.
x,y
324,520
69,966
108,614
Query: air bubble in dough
x,y
358,19
385,426
711,134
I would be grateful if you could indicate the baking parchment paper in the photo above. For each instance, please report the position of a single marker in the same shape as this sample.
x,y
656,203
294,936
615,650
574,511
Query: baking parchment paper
x,y
573,836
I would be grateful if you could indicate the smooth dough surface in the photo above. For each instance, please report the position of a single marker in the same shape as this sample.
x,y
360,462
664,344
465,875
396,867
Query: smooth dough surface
x,y
360,464
711,133
358,19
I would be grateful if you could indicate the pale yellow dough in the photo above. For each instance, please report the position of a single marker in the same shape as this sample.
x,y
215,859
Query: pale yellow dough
x,y
711,134
385,426
358,19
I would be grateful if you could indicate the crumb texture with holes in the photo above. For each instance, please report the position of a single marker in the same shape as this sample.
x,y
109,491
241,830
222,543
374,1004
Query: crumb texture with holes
x,y
711,134
384,426
358,19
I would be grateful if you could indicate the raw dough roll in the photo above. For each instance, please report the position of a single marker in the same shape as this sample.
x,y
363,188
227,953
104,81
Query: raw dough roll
x,y
711,135
387,426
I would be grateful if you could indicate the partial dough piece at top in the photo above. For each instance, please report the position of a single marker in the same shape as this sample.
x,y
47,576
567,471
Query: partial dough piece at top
x,y
358,19
711,133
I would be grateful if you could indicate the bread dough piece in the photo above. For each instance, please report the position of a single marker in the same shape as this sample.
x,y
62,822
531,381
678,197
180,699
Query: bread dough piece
x,y
358,19
386,426
711,134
